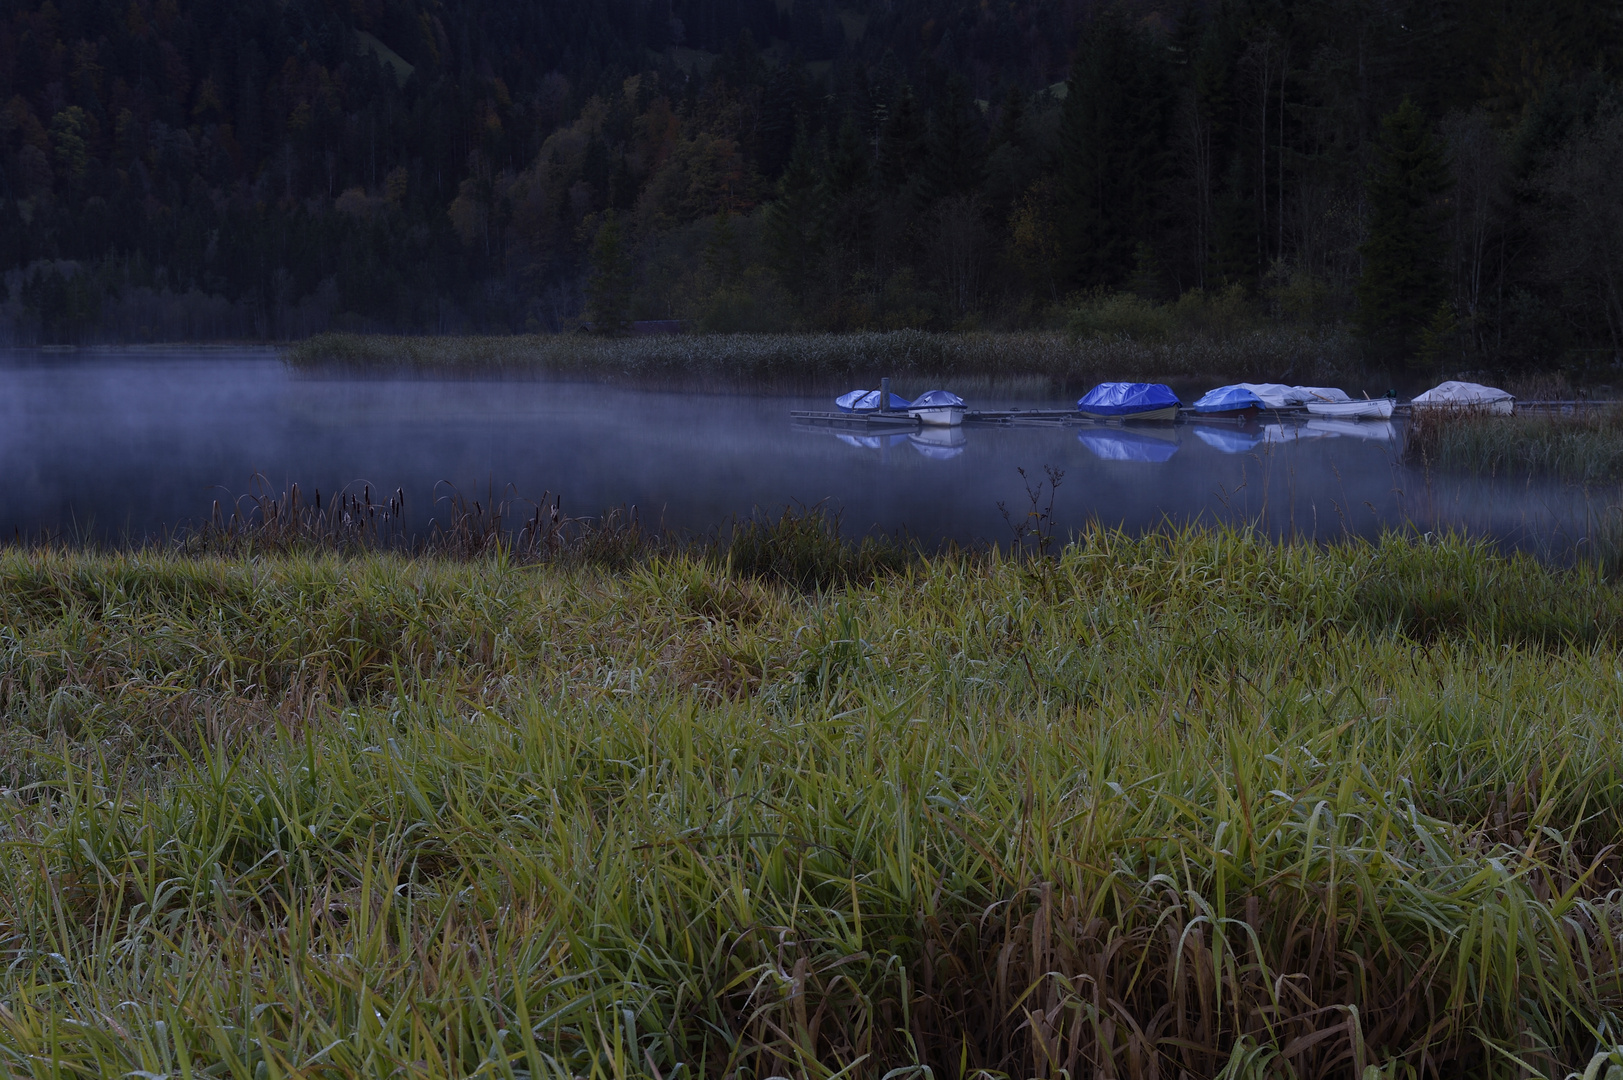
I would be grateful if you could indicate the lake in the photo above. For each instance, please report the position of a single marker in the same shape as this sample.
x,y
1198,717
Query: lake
x,y
132,443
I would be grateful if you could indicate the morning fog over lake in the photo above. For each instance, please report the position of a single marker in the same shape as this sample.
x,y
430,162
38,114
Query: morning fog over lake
x,y
137,444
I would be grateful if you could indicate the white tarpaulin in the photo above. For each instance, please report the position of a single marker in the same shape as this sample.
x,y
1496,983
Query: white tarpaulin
x,y
1274,395
1280,396
1305,394
1466,395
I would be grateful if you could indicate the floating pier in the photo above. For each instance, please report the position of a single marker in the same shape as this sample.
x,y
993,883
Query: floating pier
x,y
868,420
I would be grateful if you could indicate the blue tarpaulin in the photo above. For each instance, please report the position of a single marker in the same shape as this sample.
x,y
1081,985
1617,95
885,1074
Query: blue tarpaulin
x,y
1115,445
1126,398
868,401
1227,399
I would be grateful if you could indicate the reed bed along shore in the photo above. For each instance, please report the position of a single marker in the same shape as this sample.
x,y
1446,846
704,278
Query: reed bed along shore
x,y
1191,805
1070,358
1584,446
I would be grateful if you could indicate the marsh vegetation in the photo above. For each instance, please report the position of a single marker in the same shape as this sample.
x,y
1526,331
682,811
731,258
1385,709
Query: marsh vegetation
x,y
1584,446
1189,804
1114,338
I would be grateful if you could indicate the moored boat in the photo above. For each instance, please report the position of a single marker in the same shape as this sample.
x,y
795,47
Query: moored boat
x,y
938,408
1280,396
1228,401
1368,409
868,401
1466,397
1129,401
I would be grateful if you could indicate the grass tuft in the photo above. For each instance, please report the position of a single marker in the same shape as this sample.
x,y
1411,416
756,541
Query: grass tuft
x,y
804,549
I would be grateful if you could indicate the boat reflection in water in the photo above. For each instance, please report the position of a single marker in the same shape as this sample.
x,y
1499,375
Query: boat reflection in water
x,y
1377,431
871,442
939,443
1370,431
1229,440
1120,444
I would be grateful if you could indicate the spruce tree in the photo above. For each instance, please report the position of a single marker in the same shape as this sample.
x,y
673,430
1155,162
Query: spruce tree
x,y
1113,149
1403,279
795,221
608,286
903,144
957,161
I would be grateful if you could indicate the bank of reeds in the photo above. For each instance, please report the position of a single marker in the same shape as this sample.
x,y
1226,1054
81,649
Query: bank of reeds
x,y
799,546
1190,805
1584,446
1299,355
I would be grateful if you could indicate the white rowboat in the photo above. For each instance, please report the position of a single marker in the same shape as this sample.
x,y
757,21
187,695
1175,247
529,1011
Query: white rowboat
x,y
939,415
1368,409
938,408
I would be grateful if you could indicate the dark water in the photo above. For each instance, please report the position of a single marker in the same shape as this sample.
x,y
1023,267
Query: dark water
x,y
133,443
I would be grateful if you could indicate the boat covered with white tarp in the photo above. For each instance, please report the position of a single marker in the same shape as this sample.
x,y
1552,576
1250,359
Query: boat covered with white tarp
x,y
1280,396
1467,396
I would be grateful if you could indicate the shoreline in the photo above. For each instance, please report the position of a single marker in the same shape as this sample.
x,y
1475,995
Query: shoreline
x,y
904,353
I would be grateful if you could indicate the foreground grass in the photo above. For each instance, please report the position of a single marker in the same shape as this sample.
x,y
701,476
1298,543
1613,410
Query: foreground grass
x,y
1585,446
1073,358
1181,806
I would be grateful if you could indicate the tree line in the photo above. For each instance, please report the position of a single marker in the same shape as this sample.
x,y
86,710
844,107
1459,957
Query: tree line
x,y
1434,174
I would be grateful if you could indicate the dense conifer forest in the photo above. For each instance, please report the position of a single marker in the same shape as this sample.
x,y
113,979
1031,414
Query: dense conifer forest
x,y
1438,176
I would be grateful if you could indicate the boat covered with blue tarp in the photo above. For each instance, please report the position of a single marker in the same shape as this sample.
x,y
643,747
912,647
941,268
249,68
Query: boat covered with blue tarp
x,y
868,401
1130,401
1229,400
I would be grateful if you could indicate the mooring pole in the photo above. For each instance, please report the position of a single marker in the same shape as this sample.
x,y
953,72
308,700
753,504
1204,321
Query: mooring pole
x,y
884,395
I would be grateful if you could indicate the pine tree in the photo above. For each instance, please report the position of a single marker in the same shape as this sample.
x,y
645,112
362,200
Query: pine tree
x,y
848,167
1113,146
795,220
903,144
608,287
1403,279
957,161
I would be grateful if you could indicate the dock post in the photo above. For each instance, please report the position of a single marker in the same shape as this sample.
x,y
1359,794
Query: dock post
x,y
884,395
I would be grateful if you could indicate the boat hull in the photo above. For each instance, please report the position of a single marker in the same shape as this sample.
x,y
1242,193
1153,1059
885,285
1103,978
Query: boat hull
x,y
939,415
1376,409
1225,414
1168,412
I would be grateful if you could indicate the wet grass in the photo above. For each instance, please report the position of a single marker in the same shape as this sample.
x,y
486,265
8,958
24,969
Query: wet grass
x,y
1584,446
1070,358
1194,804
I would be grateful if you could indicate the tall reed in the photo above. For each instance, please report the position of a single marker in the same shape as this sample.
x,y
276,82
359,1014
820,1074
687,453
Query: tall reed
x,y
1585,446
1192,804
1263,353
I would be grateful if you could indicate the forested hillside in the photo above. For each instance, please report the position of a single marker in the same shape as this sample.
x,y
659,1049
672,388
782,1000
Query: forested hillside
x,y
1437,174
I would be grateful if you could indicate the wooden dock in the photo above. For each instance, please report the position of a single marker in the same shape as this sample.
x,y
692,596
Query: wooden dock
x,y
862,421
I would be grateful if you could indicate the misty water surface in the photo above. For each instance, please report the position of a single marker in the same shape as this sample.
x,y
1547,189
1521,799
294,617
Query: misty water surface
x,y
133,443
